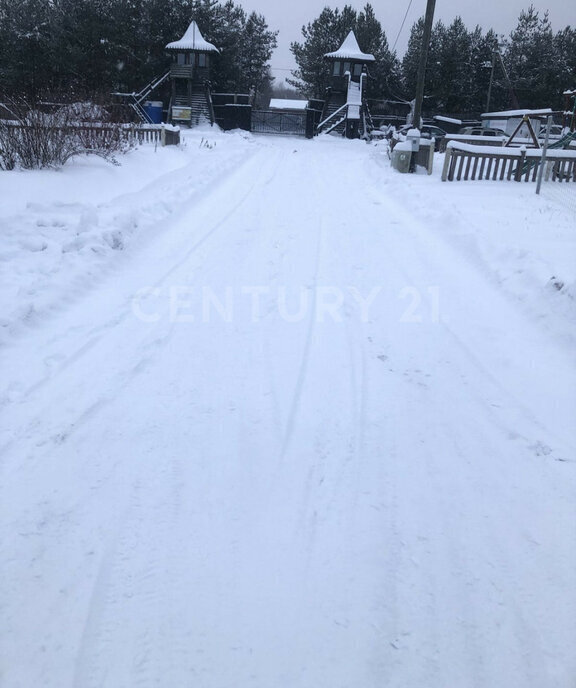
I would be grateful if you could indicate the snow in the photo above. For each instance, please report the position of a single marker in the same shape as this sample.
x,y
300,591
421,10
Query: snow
x,y
59,229
311,424
350,50
450,120
354,96
193,40
551,154
288,104
477,139
516,113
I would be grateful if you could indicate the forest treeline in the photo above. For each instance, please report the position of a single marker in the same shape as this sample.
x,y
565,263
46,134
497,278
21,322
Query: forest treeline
x,y
88,46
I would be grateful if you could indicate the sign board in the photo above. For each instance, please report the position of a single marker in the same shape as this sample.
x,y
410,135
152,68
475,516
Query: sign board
x,y
181,113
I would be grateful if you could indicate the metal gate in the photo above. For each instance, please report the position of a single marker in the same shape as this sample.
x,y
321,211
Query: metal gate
x,y
271,122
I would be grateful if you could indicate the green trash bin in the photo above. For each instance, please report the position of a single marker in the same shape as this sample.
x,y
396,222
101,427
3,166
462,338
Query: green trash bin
x,y
401,156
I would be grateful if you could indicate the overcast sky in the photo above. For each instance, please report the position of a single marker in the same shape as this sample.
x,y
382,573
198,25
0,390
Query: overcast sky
x,y
501,15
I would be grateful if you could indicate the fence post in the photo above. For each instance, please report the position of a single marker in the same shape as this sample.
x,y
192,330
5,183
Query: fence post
x,y
543,158
310,120
447,158
520,166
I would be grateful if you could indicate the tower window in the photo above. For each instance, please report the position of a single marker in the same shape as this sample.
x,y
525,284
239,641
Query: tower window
x,y
336,71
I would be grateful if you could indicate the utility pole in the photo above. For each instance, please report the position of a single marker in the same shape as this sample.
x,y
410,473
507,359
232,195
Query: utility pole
x,y
428,21
491,81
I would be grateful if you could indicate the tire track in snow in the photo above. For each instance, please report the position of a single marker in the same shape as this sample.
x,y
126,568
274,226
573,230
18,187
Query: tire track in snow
x,y
131,591
266,172
96,334
304,363
149,646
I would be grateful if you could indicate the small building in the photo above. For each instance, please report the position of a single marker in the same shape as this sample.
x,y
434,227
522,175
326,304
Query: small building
x,y
345,108
348,59
510,120
190,77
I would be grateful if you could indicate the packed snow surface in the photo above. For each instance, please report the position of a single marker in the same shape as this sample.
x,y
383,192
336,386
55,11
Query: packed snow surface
x,y
274,415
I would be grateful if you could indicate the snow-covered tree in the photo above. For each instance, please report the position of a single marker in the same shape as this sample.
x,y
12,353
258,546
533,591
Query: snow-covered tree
x,y
104,45
531,59
326,33
321,36
258,44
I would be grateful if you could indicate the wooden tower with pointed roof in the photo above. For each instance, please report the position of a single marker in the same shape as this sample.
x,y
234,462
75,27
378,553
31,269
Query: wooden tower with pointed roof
x,y
344,106
190,76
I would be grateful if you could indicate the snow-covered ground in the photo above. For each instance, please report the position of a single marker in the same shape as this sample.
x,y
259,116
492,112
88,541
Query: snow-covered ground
x,y
274,415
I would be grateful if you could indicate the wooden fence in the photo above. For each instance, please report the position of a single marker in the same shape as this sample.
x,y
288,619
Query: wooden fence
x,y
482,162
142,134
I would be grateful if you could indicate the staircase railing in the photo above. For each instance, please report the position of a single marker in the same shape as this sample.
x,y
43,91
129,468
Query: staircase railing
x,y
330,117
367,120
141,112
135,100
208,92
152,86
336,125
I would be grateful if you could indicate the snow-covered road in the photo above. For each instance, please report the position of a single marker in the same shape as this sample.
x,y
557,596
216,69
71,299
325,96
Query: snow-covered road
x,y
296,440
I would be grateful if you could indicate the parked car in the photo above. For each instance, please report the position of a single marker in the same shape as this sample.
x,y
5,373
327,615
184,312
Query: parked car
x,y
427,131
482,131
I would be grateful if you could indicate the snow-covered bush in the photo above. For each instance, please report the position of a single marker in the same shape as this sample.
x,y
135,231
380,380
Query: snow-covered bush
x,y
36,140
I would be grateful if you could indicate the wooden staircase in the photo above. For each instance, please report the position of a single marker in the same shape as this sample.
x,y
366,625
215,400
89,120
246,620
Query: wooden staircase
x,y
340,108
199,103
333,117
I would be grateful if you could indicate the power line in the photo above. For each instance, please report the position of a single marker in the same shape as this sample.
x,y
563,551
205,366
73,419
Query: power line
x,y
402,26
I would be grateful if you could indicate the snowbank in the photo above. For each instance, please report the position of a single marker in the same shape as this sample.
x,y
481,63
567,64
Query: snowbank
x,y
60,230
525,243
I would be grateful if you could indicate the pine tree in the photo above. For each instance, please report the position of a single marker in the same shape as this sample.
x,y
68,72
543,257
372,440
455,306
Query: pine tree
x,y
25,46
482,49
433,85
411,58
565,58
320,37
384,74
258,44
530,59
455,72
458,70
326,33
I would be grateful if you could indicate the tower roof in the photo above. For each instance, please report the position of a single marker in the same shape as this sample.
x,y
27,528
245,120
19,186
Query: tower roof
x,y
350,50
193,40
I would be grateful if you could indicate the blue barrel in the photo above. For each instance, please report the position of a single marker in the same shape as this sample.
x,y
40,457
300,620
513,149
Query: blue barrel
x,y
153,108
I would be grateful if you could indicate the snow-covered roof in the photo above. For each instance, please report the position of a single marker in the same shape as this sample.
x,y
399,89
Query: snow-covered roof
x,y
288,104
193,40
516,113
350,50
450,120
